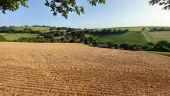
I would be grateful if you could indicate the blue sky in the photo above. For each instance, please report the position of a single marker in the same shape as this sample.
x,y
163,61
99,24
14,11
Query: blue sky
x,y
115,13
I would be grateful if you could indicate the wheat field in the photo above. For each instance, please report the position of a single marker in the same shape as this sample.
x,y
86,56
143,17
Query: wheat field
x,y
37,69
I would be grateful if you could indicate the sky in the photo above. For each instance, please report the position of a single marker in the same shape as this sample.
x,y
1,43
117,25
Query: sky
x,y
115,13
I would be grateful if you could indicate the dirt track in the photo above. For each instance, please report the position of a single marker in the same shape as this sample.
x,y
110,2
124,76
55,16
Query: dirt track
x,y
74,69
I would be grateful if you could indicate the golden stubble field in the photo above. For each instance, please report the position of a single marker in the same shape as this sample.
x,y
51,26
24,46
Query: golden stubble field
x,y
36,69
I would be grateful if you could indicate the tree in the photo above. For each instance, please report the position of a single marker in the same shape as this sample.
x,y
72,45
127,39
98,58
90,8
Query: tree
x,y
143,29
12,5
125,46
136,47
63,7
162,46
164,3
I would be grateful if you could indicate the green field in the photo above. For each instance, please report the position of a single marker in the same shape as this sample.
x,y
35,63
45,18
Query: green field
x,y
41,29
16,36
158,36
129,37
148,37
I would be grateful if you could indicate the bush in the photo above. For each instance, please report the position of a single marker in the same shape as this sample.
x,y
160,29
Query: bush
x,y
162,46
102,45
125,46
38,39
109,45
147,47
94,43
116,46
136,47
150,43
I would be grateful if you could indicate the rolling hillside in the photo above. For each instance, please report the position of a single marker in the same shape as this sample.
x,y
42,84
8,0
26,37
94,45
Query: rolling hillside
x,y
134,35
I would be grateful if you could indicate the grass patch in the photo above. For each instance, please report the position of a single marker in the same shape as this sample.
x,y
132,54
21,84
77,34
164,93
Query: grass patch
x,y
17,36
128,37
159,36
148,37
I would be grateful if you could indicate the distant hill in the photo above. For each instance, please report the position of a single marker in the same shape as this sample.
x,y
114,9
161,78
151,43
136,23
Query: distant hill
x,y
133,35
136,35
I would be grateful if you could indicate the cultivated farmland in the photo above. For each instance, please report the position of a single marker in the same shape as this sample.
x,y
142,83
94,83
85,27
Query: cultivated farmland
x,y
44,69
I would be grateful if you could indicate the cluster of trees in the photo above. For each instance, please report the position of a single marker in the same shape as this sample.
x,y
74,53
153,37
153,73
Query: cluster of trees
x,y
12,29
36,26
108,31
72,32
64,7
35,39
78,35
52,34
161,46
28,29
63,28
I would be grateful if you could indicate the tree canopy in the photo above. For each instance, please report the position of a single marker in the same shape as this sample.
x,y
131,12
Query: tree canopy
x,y
12,5
64,7
164,3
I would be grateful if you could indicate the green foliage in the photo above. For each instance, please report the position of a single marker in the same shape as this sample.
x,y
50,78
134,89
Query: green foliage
x,y
162,46
125,46
116,46
64,7
164,3
37,39
147,47
136,47
159,29
12,5
57,6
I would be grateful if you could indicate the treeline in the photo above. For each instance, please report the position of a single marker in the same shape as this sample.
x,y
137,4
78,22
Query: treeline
x,y
13,30
29,27
161,46
60,31
80,33
109,31
159,29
